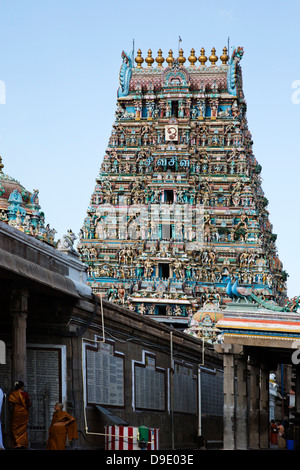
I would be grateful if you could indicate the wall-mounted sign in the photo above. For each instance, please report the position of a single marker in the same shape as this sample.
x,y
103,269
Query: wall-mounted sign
x,y
105,375
2,353
171,132
172,161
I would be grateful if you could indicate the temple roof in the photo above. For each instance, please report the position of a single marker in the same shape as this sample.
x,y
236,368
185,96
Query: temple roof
x,y
185,73
20,208
249,321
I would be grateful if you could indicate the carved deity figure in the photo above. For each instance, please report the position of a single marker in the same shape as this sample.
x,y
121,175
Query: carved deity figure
x,y
148,269
177,268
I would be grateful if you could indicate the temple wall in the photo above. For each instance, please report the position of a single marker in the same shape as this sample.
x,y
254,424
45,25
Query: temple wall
x,y
71,350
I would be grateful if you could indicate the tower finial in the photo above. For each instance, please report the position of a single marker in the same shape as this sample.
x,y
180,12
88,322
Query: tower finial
x,y
159,59
213,58
192,58
170,58
139,59
181,60
149,60
202,58
224,57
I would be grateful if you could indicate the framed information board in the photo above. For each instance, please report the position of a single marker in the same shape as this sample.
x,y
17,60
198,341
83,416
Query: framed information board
x,y
104,375
46,366
184,385
149,385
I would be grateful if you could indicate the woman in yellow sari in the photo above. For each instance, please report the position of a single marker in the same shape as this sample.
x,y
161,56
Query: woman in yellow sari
x,y
20,403
63,425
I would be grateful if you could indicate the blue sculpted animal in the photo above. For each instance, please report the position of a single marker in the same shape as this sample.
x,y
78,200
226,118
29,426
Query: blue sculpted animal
x,y
240,292
229,288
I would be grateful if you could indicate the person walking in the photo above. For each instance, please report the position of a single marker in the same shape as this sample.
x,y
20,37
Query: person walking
x,y
20,403
62,426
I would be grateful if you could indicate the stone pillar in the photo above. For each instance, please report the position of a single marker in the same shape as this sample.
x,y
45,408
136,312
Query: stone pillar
x,y
229,407
297,389
241,404
18,310
254,383
264,408
229,352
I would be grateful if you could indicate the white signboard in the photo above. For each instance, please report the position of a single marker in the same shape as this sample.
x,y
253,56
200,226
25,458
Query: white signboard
x,y
171,132
2,353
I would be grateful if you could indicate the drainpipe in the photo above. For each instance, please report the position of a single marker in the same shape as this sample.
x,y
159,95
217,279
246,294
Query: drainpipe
x,y
199,403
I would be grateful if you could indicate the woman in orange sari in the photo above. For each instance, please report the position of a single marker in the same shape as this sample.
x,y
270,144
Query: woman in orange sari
x,y
63,425
20,403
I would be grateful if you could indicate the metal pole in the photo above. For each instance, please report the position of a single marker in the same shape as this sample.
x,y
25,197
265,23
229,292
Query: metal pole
x,y
47,410
171,389
133,51
179,41
102,318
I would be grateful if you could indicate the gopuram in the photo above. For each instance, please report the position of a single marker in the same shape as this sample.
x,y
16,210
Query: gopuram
x,y
178,220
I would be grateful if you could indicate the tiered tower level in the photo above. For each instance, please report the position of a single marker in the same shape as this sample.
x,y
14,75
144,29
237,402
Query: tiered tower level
x,y
178,210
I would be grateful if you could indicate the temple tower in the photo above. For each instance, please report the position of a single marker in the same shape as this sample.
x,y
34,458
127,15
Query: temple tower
x,y
178,216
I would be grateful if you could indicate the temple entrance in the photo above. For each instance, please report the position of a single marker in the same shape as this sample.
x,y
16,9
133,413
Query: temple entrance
x,y
174,108
247,394
169,196
164,270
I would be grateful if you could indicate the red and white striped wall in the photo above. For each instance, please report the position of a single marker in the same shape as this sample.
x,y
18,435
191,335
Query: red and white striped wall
x,y
126,438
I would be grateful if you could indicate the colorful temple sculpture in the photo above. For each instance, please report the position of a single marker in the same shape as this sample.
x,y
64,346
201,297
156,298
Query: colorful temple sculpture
x,y
20,209
178,219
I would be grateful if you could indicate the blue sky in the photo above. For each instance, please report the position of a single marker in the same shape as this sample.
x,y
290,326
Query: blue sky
x,y
60,63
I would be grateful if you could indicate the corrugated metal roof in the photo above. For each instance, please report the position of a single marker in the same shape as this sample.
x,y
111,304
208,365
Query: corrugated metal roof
x,y
110,417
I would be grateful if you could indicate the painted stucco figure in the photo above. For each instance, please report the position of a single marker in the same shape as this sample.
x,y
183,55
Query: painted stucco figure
x,y
125,73
236,56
